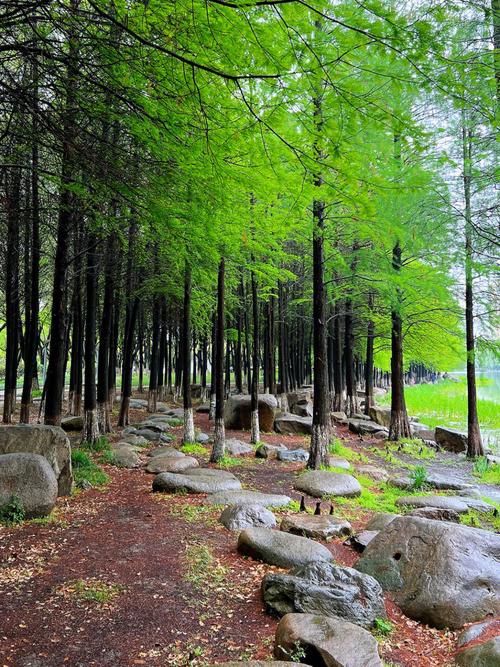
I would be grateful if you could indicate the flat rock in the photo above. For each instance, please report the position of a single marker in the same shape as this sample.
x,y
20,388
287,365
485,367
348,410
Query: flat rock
x,y
378,474
289,424
167,451
439,573
148,433
155,425
236,447
265,451
282,549
443,502
203,409
320,483
327,642
435,481
365,427
380,520
239,517
293,455
486,654
136,440
361,540
338,416
245,496
138,403
475,504
450,439
436,514
326,589
168,463
337,462
31,479
72,423
323,527
166,437
479,630
124,456
196,480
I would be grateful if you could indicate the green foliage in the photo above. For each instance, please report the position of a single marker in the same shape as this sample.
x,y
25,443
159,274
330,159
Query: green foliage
x,y
100,445
419,477
415,448
202,568
382,627
336,448
194,448
489,473
85,471
12,512
295,654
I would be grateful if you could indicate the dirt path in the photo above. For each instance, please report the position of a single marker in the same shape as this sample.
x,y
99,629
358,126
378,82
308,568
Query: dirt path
x,y
171,589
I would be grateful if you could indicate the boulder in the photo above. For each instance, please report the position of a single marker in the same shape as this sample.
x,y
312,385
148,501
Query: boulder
x,y
48,441
239,517
475,504
237,447
442,502
381,415
282,549
378,474
440,573
148,434
289,424
336,462
155,425
135,440
203,409
320,483
237,412
196,480
265,451
436,514
138,403
338,416
166,451
381,435
72,423
479,631
361,540
202,438
422,431
327,642
451,440
323,527
299,397
124,456
31,479
293,455
244,496
433,480
380,520
168,463
326,589
166,437
364,427
486,654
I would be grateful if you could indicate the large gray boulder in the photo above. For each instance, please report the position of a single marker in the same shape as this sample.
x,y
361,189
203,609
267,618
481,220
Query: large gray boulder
x,y
72,423
326,589
48,441
237,413
381,415
167,463
486,654
450,439
289,424
246,496
236,447
366,427
265,451
320,483
441,502
282,549
124,455
293,455
440,573
31,479
196,480
323,527
148,434
239,517
326,642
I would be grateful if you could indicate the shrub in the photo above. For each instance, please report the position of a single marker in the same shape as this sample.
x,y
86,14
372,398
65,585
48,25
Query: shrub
x,y
12,512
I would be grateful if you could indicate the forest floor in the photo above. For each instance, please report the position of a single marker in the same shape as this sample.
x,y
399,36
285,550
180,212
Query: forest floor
x,y
121,576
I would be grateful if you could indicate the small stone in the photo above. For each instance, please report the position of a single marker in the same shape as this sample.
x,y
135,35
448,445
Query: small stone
x,y
336,462
239,517
202,438
323,527
265,451
360,541
378,474
237,447
290,455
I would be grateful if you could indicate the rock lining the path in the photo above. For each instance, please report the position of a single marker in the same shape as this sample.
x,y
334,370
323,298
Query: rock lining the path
x,y
236,447
166,451
196,480
439,573
319,483
265,451
239,517
166,463
380,520
378,474
442,502
293,455
451,439
289,424
323,527
282,549
245,496
326,589
331,642
31,479
436,514
436,481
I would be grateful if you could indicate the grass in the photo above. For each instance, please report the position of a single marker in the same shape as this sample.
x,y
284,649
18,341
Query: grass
x,y
382,627
445,403
100,445
418,477
194,513
86,471
336,448
193,448
485,520
486,472
91,590
374,497
414,448
230,461
202,568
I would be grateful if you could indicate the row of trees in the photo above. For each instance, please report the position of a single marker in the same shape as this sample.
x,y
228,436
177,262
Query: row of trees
x,y
292,191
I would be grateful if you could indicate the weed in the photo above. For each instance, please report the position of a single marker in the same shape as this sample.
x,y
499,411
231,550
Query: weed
x,y
108,458
297,654
193,448
415,448
99,445
336,448
489,473
203,570
382,627
193,513
229,461
418,477
91,590
376,497
12,512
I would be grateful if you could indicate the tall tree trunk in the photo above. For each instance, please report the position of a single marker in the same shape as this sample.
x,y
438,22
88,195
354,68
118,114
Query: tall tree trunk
x,y
320,435
213,395
370,335
153,366
218,449
351,392
189,435
474,441
90,420
13,194
400,425
254,402
105,338
162,350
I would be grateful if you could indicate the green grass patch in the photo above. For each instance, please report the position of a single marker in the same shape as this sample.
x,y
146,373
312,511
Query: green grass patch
x,y
193,448
230,461
418,477
12,513
489,473
86,471
203,569
382,627
194,513
336,448
414,448
375,497
100,445
485,520
91,590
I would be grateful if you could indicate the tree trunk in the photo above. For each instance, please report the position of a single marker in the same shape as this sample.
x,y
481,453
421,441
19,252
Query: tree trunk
x,y
254,402
104,340
370,335
218,449
189,435
90,421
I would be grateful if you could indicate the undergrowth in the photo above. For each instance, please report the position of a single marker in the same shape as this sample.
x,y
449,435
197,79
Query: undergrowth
x,y
12,512
193,448
86,471
336,448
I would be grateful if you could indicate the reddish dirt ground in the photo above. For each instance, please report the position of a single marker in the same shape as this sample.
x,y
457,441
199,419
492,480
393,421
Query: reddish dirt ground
x,y
181,594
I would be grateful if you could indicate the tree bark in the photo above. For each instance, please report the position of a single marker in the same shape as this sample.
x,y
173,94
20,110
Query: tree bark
x,y
189,435
90,422
254,402
218,449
